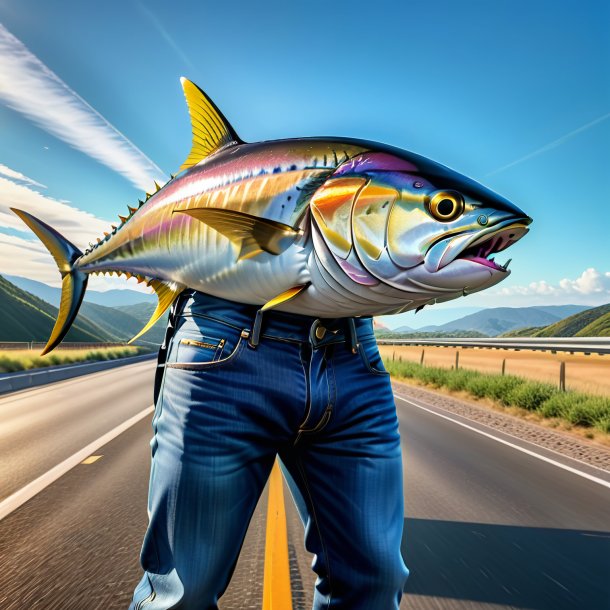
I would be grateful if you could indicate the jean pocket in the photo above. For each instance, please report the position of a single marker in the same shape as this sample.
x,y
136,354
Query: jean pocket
x,y
371,358
201,345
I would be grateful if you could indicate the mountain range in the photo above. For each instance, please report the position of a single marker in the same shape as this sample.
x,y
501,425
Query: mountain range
x,y
594,322
109,298
498,320
29,309
28,317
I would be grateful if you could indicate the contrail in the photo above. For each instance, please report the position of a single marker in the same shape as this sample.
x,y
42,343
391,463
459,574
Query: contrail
x,y
551,145
32,89
166,36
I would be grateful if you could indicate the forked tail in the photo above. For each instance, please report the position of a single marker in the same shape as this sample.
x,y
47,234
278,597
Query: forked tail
x,y
74,282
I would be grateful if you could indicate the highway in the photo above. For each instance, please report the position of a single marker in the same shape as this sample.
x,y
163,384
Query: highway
x,y
487,525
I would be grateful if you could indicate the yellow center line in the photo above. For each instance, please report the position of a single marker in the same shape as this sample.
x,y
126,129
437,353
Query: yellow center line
x,y
91,459
276,585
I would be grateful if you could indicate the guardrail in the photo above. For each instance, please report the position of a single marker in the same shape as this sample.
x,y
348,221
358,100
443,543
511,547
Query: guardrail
x,y
586,345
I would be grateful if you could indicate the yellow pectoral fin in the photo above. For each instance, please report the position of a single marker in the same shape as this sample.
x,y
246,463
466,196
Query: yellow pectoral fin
x,y
166,293
251,234
287,295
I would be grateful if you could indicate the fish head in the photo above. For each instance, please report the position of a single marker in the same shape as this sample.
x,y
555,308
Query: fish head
x,y
404,220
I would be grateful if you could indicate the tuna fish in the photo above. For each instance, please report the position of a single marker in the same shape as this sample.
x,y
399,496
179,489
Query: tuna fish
x,y
325,227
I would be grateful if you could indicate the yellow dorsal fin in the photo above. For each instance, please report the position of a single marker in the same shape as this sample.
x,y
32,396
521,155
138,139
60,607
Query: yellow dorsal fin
x,y
166,293
211,131
251,234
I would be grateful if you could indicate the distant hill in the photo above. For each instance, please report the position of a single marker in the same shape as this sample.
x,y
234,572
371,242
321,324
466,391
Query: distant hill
x,y
404,329
25,317
527,331
597,328
588,323
125,324
498,320
109,298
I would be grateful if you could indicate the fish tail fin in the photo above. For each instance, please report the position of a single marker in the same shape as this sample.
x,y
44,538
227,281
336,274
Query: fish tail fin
x,y
74,282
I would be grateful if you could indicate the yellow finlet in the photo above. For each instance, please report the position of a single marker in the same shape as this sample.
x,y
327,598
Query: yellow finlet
x,y
287,295
211,131
251,234
166,293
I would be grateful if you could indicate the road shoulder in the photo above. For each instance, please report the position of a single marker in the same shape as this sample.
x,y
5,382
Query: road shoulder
x,y
557,441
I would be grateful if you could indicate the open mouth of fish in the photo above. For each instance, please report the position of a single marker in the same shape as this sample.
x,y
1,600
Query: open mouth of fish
x,y
480,248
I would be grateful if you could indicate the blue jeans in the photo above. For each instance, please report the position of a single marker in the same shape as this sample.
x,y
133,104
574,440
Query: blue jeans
x,y
313,392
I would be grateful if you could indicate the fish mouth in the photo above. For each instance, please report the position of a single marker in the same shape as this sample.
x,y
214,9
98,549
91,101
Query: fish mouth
x,y
479,248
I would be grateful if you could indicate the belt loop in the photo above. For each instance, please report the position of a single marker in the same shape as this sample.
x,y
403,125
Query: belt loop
x,y
256,329
353,336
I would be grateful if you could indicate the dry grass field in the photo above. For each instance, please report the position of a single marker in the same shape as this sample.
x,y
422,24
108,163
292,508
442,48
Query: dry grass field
x,y
589,374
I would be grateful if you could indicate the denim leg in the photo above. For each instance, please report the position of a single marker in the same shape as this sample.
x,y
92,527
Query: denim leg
x,y
218,425
349,476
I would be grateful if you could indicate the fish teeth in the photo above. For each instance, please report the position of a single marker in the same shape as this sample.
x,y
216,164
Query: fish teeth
x,y
507,263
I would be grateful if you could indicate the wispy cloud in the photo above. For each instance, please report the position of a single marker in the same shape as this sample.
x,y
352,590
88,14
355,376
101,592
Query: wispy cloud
x,y
32,89
14,175
78,226
551,145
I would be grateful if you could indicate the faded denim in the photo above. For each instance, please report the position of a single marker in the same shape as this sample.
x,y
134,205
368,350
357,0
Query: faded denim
x,y
224,410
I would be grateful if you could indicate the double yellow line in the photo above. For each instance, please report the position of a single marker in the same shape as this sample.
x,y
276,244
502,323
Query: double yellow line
x,y
276,586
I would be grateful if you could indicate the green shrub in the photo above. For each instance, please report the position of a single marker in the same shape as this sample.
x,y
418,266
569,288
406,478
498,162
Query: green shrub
x,y
478,385
558,404
457,380
603,425
28,359
530,395
434,376
402,369
589,411
575,407
500,387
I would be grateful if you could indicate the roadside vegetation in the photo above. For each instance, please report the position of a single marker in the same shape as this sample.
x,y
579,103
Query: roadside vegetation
x,y
546,400
20,360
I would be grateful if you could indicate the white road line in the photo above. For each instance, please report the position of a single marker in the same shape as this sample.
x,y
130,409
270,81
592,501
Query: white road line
x,y
495,438
15,500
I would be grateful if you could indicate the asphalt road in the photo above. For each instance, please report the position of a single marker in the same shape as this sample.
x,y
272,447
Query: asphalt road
x,y
486,526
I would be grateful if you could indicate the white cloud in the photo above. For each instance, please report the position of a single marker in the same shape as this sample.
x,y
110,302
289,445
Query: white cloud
x,y
30,259
14,175
590,283
78,226
32,89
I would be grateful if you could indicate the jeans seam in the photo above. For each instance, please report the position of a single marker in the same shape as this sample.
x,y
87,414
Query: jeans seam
x,y
307,393
331,380
317,522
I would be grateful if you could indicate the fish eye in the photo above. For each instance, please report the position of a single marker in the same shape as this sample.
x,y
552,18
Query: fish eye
x,y
446,205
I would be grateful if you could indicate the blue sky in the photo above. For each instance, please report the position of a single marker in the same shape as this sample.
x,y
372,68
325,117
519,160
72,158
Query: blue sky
x,y
514,94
